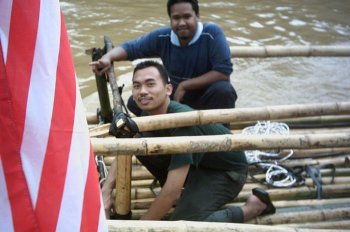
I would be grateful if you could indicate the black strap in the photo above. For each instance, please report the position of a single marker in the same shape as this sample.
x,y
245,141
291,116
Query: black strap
x,y
315,174
123,126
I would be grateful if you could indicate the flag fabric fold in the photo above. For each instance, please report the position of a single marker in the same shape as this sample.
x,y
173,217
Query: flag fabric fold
x,y
48,177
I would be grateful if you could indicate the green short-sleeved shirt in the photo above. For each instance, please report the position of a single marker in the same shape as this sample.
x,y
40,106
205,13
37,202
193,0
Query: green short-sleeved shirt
x,y
226,161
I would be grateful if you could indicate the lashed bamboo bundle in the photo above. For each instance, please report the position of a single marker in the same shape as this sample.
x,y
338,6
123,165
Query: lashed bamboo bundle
x,y
279,51
184,226
202,117
145,196
174,145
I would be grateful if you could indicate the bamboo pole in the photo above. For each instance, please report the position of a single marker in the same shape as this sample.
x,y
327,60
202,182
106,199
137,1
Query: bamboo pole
x,y
335,225
251,184
174,145
297,154
312,121
316,153
202,117
284,204
303,216
123,174
144,174
141,175
311,203
123,186
91,118
187,226
320,130
302,192
337,161
303,122
326,180
288,51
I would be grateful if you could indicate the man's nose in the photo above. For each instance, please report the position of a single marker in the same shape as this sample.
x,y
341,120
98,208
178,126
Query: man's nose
x,y
143,89
182,21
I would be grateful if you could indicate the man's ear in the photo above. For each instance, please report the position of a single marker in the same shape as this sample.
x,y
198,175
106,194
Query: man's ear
x,y
169,89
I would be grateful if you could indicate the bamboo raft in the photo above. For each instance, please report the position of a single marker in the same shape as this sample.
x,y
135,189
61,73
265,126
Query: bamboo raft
x,y
319,135
297,207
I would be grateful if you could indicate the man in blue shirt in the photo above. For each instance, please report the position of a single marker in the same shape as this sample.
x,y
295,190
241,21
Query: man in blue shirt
x,y
196,56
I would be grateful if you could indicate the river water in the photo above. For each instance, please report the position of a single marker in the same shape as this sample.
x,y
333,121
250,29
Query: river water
x,y
258,81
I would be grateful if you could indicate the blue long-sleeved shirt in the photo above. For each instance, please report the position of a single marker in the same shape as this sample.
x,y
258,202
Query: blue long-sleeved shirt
x,y
207,51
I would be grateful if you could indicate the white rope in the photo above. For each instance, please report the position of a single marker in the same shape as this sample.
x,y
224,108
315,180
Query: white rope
x,y
276,175
276,170
266,128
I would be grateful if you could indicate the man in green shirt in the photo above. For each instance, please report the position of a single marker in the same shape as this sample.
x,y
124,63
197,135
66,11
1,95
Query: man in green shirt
x,y
198,184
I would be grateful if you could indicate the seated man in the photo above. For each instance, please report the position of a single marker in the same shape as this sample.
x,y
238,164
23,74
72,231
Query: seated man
x,y
195,54
198,184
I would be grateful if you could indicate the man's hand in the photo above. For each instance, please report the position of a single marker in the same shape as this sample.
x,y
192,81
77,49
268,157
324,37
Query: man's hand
x,y
101,66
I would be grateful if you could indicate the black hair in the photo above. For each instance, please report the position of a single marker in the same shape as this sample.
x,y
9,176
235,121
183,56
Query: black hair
x,y
194,4
151,63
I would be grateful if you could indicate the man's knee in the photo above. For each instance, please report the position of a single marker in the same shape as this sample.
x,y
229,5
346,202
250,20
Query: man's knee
x,y
220,95
223,89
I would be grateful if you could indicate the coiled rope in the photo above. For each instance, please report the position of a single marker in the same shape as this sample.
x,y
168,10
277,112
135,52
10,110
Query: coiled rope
x,y
276,175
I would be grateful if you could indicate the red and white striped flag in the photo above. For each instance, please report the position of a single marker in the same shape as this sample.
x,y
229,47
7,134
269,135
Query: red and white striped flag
x,y
48,177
